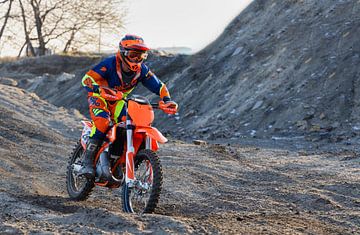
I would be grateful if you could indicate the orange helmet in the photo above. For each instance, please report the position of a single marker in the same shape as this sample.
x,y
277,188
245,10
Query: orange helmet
x,y
133,51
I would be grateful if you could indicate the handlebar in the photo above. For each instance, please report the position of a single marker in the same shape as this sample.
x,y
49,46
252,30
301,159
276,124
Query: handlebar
x,y
114,95
155,105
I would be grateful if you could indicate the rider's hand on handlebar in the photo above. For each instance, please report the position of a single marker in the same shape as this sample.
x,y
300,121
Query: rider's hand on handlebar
x,y
110,94
169,107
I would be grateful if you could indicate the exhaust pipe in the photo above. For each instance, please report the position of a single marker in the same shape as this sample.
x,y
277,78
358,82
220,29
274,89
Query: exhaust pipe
x,y
103,169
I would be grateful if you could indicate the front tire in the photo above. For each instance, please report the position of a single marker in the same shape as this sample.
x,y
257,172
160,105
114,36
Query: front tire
x,y
144,197
78,187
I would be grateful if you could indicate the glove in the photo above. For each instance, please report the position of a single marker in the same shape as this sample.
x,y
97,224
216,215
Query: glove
x,y
169,107
110,94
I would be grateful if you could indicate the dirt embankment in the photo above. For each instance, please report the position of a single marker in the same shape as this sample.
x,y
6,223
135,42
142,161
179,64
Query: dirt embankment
x,y
57,78
280,69
207,189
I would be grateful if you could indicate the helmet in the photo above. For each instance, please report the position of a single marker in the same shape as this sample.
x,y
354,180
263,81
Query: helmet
x,y
133,51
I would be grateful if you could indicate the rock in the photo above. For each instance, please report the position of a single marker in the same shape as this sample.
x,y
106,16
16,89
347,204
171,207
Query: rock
x,y
302,125
309,114
253,133
36,97
190,113
332,75
8,81
308,60
204,130
237,51
315,128
199,142
237,134
257,104
65,77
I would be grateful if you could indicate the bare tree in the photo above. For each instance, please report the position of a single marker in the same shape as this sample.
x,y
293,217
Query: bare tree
x,y
6,17
92,19
48,16
26,32
63,24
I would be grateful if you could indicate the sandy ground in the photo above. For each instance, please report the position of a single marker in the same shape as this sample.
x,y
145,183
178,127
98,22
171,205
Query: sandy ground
x,y
207,189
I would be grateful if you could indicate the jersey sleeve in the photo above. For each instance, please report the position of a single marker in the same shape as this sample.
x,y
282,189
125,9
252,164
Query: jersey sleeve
x,y
96,77
154,84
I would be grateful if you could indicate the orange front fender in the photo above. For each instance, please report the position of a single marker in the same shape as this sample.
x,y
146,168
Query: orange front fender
x,y
152,132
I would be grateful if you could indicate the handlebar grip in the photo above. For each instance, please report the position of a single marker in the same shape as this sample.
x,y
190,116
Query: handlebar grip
x,y
155,105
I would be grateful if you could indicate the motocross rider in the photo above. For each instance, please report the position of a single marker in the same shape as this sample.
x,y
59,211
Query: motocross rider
x,y
121,72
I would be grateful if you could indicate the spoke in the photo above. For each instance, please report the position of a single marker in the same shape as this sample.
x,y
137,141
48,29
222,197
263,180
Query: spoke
x,y
145,171
140,195
145,174
79,181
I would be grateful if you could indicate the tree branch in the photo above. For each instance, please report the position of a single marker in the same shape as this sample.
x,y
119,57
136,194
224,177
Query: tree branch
x,y
27,37
43,16
6,19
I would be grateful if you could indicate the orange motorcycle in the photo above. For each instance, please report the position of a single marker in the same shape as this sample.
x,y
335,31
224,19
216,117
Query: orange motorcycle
x,y
127,157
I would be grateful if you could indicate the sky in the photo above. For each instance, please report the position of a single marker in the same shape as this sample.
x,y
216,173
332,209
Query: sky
x,y
170,23
189,23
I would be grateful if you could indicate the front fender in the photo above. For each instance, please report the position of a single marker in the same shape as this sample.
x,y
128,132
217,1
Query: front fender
x,y
153,133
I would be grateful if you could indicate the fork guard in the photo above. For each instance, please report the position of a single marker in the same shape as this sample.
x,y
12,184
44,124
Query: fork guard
x,y
153,133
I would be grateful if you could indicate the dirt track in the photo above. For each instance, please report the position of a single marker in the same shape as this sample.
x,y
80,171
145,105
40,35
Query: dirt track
x,y
282,69
207,189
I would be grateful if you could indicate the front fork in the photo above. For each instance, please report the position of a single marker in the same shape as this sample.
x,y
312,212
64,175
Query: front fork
x,y
130,153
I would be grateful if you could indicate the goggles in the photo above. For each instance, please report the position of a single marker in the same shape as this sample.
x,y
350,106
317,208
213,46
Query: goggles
x,y
136,56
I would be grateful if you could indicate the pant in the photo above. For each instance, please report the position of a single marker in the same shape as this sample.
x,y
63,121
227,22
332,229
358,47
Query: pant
x,y
102,113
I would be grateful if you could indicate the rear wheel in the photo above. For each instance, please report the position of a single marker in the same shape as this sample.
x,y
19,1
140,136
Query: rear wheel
x,y
144,195
78,187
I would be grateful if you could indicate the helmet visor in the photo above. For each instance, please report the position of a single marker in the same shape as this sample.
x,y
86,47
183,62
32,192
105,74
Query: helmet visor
x,y
136,56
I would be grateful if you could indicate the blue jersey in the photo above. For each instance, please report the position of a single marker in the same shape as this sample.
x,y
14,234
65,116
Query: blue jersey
x,y
109,73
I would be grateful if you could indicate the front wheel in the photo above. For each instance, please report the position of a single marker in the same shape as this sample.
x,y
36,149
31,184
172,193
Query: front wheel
x,y
144,195
78,187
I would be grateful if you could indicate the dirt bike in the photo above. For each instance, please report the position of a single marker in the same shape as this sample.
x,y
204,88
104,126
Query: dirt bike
x,y
126,159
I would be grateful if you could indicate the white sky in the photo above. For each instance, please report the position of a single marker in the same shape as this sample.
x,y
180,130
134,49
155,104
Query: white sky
x,y
168,23
190,23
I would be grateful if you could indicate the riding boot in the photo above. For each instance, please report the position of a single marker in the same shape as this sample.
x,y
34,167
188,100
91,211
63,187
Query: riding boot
x,y
87,169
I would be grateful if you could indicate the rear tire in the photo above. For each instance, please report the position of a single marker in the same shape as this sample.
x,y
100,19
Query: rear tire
x,y
78,187
133,198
